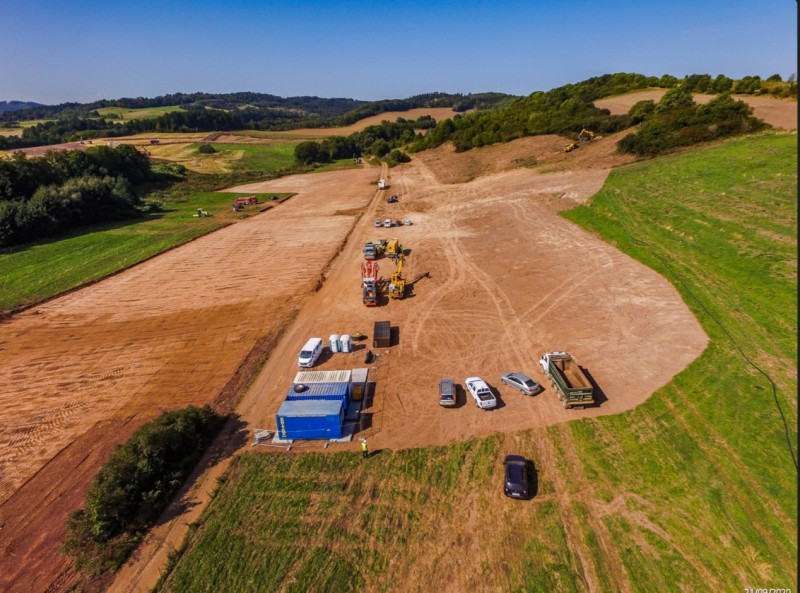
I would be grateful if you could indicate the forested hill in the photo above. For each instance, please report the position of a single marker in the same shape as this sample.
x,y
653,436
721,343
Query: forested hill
x,y
17,105
206,112
278,111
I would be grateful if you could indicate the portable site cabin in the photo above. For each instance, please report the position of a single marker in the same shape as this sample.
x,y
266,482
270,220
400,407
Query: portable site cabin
x,y
310,419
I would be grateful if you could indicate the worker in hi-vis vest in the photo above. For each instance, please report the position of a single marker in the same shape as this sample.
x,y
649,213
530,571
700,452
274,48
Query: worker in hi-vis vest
x,y
364,452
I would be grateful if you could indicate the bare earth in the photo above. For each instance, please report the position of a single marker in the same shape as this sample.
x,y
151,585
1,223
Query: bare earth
x,y
508,280
780,113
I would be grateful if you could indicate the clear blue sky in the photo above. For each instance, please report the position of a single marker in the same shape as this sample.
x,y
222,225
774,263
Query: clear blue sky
x,y
52,51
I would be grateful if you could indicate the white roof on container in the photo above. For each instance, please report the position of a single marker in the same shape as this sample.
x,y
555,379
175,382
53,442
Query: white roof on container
x,y
322,377
360,375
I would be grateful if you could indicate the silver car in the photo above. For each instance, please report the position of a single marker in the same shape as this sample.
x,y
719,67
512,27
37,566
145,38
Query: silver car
x,y
521,381
447,392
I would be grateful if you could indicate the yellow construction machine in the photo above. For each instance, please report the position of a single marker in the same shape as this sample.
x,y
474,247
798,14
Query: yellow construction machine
x,y
397,285
394,249
586,136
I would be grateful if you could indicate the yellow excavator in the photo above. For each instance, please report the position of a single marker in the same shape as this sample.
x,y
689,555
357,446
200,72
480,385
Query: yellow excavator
x,y
584,136
397,285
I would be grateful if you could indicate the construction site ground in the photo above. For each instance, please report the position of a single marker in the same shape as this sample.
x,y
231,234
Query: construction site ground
x,y
507,280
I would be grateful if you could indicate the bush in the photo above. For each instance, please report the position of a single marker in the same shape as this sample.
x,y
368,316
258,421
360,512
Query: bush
x,y
206,149
398,156
135,485
308,153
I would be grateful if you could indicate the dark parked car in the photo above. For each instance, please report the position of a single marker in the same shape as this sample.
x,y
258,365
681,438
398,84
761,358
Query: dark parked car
x,y
521,381
447,392
516,482
392,199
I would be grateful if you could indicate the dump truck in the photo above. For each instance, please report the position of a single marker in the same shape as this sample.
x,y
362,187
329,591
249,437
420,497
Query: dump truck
x,y
374,249
569,381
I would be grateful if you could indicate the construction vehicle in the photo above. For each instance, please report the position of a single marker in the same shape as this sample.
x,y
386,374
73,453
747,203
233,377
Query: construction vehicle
x,y
201,213
374,249
394,249
584,136
397,285
382,184
369,283
569,381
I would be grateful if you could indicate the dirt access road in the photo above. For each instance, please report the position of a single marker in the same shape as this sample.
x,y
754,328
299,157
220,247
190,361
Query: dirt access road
x,y
508,280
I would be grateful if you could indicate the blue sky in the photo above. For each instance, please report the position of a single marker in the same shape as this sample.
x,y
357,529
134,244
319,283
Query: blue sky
x,y
55,51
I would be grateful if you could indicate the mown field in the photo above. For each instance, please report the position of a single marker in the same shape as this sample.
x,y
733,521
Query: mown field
x,y
101,250
124,113
694,490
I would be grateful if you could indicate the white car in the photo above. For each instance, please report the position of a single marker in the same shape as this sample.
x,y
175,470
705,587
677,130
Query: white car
x,y
378,223
407,222
387,223
480,392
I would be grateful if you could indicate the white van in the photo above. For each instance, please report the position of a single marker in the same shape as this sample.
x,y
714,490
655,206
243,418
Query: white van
x,y
310,352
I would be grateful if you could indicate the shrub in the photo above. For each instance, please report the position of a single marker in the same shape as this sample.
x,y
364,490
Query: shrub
x,y
308,153
135,485
206,149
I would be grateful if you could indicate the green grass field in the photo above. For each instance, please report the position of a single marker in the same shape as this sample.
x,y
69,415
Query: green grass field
x,y
104,249
260,157
694,490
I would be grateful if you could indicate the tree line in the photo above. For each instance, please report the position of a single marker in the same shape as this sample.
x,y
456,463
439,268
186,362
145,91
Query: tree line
x,y
675,121
380,140
209,113
42,196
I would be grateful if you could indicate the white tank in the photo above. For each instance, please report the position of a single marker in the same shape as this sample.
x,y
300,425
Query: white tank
x,y
334,343
345,343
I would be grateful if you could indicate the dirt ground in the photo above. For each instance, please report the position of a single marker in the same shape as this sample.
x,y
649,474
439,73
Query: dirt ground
x,y
508,280
780,113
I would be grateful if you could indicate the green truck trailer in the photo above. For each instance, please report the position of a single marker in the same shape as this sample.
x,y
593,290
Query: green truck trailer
x,y
570,382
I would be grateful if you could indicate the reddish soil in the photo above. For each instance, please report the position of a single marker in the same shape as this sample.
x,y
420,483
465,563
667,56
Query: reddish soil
x,y
508,280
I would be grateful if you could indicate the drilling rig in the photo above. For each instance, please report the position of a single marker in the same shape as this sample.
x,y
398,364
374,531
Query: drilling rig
x,y
369,283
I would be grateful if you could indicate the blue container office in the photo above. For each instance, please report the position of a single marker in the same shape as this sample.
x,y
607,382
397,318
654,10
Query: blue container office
x,y
310,419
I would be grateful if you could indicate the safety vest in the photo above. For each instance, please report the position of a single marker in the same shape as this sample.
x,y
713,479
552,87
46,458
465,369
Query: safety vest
x,y
363,446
